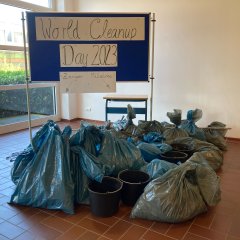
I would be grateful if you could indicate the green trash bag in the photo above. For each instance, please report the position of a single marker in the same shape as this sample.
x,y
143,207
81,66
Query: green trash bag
x,y
210,153
215,134
171,134
174,197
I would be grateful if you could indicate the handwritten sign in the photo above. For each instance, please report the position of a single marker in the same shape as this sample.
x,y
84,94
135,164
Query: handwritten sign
x,y
88,55
84,42
89,28
77,82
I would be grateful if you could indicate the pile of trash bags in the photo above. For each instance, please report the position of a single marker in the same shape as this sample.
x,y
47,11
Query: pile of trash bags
x,y
54,171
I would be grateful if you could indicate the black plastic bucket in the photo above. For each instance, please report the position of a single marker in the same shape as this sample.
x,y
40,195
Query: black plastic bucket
x,y
174,157
105,196
181,147
134,183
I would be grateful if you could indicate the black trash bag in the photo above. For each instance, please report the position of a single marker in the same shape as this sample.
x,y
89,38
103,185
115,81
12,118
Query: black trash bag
x,y
171,134
145,127
157,168
215,134
89,137
22,159
47,181
174,197
190,124
212,154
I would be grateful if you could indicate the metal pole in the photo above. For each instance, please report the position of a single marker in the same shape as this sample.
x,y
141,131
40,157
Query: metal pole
x,y
27,78
152,64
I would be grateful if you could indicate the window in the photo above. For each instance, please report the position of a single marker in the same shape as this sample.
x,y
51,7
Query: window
x,y
43,96
43,3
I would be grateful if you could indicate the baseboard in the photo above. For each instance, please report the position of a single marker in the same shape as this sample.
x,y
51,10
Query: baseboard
x,y
231,139
98,122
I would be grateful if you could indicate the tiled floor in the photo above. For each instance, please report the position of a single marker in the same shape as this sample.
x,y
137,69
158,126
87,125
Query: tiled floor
x,y
24,223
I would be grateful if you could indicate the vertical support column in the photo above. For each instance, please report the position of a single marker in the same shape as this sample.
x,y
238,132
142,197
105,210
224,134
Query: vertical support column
x,y
152,64
27,78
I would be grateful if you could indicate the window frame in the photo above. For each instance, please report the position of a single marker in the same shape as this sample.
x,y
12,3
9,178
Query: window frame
x,y
22,125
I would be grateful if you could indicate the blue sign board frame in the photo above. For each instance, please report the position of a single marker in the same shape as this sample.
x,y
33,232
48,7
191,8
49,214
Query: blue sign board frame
x,y
133,55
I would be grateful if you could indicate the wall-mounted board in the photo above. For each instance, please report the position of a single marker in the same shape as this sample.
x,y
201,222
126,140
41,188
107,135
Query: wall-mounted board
x,y
88,42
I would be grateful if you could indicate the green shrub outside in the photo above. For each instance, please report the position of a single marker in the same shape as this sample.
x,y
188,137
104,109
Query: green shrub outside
x,y
12,69
12,77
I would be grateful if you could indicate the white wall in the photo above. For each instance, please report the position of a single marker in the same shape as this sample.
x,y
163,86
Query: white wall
x,y
197,58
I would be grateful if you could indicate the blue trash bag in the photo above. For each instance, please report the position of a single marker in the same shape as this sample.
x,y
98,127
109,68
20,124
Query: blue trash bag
x,y
157,168
22,159
46,181
119,125
89,137
173,197
20,163
118,154
149,151
171,134
80,179
153,137
190,124
90,164
163,147
115,155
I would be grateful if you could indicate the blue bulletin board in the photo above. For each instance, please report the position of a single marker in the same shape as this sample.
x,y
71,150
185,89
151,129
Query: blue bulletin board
x,y
88,42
